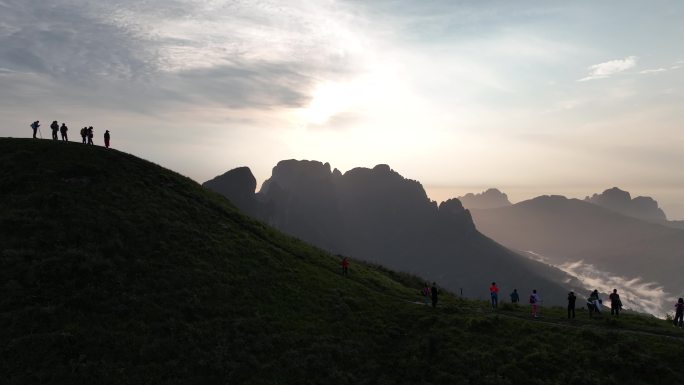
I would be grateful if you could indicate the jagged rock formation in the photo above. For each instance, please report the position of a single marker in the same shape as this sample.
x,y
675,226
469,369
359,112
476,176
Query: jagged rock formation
x,y
490,199
645,208
379,216
239,185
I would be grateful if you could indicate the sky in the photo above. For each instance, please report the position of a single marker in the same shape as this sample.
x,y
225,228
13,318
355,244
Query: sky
x,y
530,97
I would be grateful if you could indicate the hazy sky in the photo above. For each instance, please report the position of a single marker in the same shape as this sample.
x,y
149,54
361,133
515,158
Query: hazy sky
x,y
531,97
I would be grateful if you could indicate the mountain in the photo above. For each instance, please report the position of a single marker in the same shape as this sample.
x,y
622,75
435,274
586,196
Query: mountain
x,y
566,231
117,271
379,216
489,199
645,208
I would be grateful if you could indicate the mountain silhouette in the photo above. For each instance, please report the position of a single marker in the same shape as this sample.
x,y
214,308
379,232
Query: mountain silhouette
x,y
564,230
489,199
377,215
645,208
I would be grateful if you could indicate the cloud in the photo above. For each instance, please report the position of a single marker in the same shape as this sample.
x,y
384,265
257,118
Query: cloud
x,y
127,53
653,71
610,68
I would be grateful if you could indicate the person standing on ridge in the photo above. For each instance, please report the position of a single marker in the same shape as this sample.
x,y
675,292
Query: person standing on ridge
x,y
84,133
494,294
426,293
534,301
55,127
571,305
63,130
434,292
344,263
35,126
90,134
679,312
515,297
615,303
106,138
594,303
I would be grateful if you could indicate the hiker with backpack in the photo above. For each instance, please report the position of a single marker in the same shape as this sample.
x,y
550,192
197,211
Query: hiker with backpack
x,y
594,303
434,293
63,130
106,138
534,302
55,127
89,134
35,126
515,297
679,312
494,294
426,294
84,134
345,266
571,305
615,303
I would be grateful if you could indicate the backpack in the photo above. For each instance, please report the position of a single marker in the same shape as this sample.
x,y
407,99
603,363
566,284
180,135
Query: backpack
x,y
533,299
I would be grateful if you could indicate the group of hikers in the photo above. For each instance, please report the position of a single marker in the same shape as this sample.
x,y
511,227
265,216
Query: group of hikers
x,y
87,133
594,303
431,294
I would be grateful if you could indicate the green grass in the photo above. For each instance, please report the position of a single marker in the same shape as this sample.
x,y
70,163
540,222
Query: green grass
x,y
116,271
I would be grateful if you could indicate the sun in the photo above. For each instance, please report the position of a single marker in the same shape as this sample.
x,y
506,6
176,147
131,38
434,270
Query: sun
x,y
328,100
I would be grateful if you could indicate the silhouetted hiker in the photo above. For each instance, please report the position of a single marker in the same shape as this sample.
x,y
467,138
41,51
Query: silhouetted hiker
x,y
345,266
534,301
55,127
90,134
515,298
571,305
594,303
434,293
679,312
106,138
494,294
84,134
615,303
426,293
63,130
35,126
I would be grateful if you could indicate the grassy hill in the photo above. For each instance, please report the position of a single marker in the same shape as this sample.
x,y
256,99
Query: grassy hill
x,y
116,271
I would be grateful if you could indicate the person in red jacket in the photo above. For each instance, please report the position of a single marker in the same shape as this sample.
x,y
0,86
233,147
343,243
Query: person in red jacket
x,y
345,266
494,293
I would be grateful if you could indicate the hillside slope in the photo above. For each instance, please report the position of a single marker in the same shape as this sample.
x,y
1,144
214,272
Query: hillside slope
x,y
117,271
377,215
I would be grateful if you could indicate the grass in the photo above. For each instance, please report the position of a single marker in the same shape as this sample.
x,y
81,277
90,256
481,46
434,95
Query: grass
x,y
117,271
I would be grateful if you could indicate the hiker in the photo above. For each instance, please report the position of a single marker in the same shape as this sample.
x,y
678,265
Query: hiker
x,y
594,303
35,126
84,133
494,294
571,305
344,263
615,303
515,298
434,293
426,293
106,138
63,130
679,312
534,301
89,134
55,127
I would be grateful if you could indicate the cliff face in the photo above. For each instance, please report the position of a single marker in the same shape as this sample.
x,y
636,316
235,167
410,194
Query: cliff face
x,y
377,215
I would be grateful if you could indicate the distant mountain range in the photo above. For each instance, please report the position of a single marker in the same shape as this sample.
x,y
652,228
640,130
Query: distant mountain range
x,y
379,216
566,231
489,199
